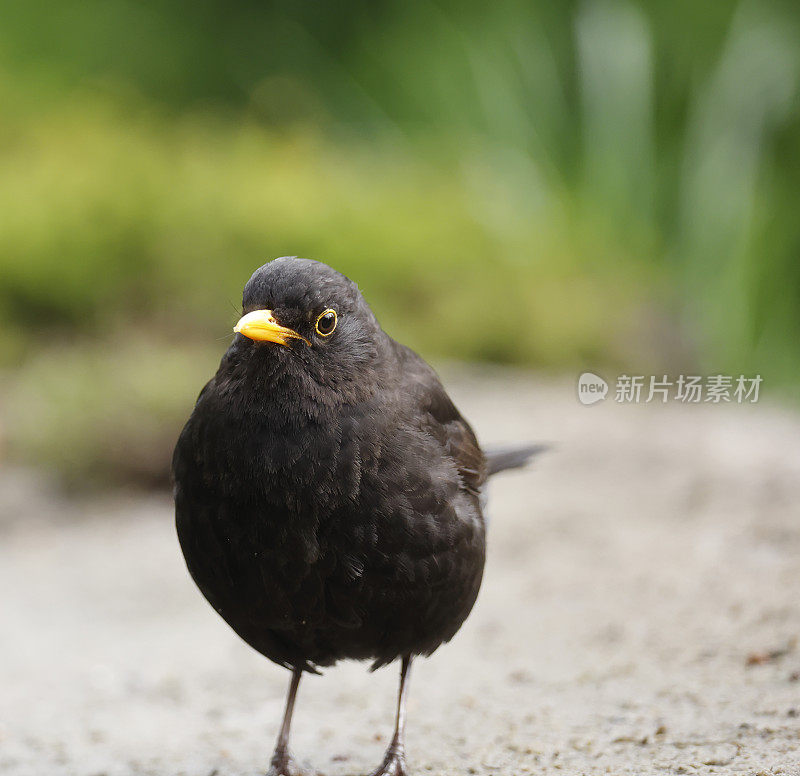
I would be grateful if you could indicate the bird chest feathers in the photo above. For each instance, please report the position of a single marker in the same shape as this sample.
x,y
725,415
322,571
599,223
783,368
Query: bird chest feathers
x,y
266,454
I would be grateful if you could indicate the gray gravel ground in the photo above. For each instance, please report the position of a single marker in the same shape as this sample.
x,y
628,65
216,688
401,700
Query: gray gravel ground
x,y
639,616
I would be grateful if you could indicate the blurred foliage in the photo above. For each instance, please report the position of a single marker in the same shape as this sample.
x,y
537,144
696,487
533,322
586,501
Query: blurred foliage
x,y
101,415
614,184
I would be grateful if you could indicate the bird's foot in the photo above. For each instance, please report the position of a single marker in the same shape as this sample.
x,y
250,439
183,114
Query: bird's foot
x,y
283,764
394,764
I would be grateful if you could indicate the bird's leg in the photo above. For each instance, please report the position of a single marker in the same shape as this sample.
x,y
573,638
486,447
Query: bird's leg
x,y
394,763
282,763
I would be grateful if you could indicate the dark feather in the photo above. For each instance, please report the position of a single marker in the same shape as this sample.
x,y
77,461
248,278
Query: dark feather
x,y
499,459
328,495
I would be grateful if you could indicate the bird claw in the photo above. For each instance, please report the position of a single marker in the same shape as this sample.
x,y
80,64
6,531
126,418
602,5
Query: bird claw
x,y
394,764
283,764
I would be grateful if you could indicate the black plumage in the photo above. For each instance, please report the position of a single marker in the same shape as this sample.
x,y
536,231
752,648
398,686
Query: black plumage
x,y
327,490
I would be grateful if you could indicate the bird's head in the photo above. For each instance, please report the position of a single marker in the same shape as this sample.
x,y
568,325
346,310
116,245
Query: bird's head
x,y
307,317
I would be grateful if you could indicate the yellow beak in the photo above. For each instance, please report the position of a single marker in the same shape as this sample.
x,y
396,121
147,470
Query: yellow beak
x,y
261,326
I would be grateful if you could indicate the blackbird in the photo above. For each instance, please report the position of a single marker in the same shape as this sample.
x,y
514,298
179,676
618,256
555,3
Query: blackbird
x,y
328,494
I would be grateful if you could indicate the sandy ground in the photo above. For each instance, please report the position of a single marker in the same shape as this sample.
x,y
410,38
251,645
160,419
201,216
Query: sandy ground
x,y
639,616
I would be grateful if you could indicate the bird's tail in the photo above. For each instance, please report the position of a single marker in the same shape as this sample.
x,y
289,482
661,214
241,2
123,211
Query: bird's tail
x,y
499,459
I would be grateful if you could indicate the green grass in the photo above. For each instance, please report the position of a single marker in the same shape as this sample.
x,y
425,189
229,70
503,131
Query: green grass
x,y
113,224
105,413
612,184
126,240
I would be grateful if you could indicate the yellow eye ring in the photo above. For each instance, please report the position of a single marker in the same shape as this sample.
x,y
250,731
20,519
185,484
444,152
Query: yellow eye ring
x,y
328,324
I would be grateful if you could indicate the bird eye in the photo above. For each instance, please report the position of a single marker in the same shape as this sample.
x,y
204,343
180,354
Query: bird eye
x,y
326,323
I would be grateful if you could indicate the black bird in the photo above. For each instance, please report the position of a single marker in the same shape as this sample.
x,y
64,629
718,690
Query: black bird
x,y
327,490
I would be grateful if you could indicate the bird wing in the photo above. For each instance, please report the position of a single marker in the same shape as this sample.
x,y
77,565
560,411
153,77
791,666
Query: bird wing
x,y
441,419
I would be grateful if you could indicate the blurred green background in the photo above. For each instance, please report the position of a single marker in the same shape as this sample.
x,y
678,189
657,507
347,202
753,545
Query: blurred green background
x,y
614,183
